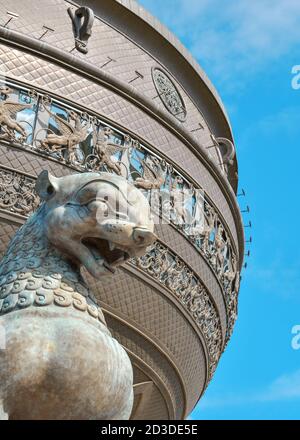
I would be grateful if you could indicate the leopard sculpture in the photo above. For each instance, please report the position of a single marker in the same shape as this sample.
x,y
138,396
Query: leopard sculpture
x,y
60,360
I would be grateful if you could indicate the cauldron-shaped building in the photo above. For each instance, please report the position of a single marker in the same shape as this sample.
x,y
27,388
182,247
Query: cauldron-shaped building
x,y
124,96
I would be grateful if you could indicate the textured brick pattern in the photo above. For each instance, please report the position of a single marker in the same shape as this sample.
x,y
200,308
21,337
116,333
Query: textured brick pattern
x,y
160,318
189,254
33,164
139,376
154,409
101,100
105,42
30,163
133,341
152,311
7,231
125,294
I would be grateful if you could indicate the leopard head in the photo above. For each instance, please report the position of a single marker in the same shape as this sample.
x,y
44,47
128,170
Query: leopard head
x,y
98,220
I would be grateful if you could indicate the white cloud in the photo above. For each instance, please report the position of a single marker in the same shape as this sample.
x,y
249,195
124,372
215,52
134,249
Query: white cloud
x,y
232,37
276,276
286,387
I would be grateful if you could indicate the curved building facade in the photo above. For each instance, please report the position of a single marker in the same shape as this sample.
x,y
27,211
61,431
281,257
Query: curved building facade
x,y
110,76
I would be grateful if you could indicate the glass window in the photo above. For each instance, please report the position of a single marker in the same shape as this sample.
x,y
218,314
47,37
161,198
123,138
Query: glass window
x,y
136,168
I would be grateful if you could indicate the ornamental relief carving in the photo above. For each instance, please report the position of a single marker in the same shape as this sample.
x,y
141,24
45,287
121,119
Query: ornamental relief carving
x,y
37,123
82,21
172,272
169,95
17,195
17,192
34,288
43,294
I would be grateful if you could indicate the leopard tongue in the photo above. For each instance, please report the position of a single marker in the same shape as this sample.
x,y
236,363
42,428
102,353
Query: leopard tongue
x,y
100,259
107,252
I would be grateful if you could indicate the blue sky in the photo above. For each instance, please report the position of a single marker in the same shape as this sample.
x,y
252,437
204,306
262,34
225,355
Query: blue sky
x,y
248,49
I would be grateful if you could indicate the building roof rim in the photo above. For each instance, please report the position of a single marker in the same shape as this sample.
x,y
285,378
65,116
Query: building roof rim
x,y
166,33
16,39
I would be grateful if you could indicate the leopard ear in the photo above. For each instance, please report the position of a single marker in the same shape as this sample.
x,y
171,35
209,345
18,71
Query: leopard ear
x,y
46,185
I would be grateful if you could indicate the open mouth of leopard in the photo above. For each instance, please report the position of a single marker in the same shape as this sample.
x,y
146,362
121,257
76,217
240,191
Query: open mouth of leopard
x,y
107,252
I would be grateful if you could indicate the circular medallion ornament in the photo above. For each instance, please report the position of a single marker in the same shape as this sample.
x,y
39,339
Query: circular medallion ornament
x,y
169,94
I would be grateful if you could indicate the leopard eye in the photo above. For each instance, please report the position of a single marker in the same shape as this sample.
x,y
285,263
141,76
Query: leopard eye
x,y
86,196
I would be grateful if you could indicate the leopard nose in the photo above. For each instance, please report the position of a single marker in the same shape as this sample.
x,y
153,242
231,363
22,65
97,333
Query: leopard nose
x,y
143,236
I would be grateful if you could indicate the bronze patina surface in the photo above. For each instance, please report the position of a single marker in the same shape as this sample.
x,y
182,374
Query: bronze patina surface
x,y
92,87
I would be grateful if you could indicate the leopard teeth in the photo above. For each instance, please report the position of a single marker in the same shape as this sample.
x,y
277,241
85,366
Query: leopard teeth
x,y
111,246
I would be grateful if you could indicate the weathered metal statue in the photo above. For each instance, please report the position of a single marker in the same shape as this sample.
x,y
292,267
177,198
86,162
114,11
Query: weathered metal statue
x,y
16,192
220,246
8,111
83,21
178,198
103,152
60,360
70,135
208,228
154,174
